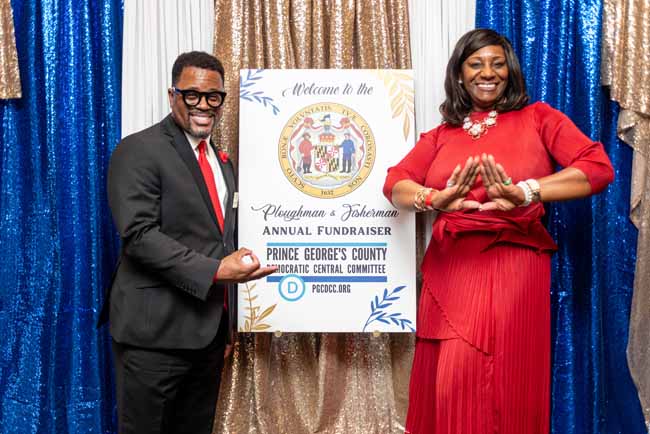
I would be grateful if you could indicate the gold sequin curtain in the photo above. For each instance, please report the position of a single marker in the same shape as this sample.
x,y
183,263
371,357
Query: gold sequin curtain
x,y
300,382
9,73
626,69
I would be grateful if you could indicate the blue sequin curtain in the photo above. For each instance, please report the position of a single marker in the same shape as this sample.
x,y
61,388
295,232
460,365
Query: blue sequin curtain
x,y
558,44
57,243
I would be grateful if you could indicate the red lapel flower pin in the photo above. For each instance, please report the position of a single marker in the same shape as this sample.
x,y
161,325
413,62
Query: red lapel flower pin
x,y
223,156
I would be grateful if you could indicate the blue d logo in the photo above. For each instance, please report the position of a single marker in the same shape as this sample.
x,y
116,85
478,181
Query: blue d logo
x,y
291,287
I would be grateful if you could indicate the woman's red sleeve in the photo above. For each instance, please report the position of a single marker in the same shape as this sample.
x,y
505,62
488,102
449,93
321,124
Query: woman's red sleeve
x,y
415,164
571,148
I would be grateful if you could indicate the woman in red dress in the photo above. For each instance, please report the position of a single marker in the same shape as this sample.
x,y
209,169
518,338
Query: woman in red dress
x,y
482,354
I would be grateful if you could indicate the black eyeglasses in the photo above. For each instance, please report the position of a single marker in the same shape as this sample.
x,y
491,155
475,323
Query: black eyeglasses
x,y
192,98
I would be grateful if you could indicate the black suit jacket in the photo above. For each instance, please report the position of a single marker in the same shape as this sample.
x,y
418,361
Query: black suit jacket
x,y
162,295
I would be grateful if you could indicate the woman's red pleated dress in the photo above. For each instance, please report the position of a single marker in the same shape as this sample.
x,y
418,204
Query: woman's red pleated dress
x,y
482,356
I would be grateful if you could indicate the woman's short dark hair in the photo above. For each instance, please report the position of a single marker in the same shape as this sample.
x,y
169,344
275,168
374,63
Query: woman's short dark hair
x,y
197,59
459,103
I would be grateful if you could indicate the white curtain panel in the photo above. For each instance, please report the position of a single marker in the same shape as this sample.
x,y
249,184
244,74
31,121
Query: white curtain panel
x,y
155,33
435,25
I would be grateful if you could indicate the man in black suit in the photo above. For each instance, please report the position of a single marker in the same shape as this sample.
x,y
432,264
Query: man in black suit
x,y
173,299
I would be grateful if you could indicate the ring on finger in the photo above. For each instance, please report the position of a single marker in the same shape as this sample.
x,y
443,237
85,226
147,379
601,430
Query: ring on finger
x,y
450,183
507,181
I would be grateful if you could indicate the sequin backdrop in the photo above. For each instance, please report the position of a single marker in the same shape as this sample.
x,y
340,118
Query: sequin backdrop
x,y
329,383
57,244
559,43
626,70
9,74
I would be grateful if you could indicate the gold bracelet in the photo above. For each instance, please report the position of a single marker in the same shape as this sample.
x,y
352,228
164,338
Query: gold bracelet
x,y
423,200
428,201
420,197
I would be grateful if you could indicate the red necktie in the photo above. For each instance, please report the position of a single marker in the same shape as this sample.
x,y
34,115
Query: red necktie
x,y
208,175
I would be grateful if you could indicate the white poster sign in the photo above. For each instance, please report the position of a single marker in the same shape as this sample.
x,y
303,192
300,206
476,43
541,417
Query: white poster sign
x,y
314,147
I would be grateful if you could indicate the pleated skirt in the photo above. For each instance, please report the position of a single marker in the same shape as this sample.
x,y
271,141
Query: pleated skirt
x,y
482,355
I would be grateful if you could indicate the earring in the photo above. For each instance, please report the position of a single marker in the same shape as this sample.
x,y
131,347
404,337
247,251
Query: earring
x,y
460,81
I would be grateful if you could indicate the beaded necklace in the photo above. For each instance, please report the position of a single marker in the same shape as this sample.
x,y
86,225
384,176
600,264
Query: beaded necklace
x,y
477,128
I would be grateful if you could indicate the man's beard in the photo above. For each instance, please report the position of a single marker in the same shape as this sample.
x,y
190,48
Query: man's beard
x,y
202,133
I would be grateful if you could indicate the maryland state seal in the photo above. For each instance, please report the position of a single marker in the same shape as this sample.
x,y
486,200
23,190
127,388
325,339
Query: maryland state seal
x,y
326,150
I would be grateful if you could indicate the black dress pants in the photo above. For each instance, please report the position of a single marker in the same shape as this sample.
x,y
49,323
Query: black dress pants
x,y
168,391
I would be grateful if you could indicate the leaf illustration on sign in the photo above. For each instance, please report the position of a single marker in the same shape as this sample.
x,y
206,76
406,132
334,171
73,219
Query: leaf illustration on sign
x,y
379,310
400,90
253,320
246,92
